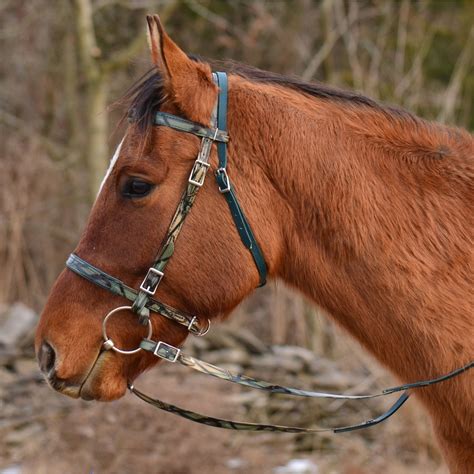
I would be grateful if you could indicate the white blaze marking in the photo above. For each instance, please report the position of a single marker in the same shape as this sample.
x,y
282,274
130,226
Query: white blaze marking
x,y
111,166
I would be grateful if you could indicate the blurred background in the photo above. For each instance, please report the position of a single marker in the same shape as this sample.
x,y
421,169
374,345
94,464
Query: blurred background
x,y
65,65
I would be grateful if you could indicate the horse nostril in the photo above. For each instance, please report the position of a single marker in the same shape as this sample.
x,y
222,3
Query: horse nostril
x,y
46,357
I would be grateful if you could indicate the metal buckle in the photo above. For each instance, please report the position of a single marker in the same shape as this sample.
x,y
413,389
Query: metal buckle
x,y
150,289
166,351
200,164
226,178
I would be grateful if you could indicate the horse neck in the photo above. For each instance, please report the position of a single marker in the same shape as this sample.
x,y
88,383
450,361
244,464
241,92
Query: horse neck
x,y
375,235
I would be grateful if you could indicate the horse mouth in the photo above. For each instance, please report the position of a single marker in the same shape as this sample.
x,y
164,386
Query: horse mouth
x,y
63,387
86,391
103,382
82,388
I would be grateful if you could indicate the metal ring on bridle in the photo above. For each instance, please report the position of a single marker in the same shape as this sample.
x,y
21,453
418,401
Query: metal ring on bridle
x,y
202,332
109,344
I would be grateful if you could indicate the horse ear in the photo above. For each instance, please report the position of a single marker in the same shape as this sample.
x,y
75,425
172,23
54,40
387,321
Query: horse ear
x,y
187,83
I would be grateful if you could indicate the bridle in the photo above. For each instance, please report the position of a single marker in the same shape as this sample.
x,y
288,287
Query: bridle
x,y
143,300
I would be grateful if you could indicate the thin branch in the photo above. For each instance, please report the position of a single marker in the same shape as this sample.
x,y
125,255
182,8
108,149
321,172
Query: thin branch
x,y
415,69
121,58
88,49
351,39
55,150
402,38
331,40
461,69
373,78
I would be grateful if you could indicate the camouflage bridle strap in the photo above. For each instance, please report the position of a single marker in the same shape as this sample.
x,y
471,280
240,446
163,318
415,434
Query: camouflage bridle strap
x,y
173,354
218,134
242,426
142,299
114,285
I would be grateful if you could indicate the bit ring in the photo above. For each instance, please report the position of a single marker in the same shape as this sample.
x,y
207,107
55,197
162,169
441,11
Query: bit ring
x,y
109,344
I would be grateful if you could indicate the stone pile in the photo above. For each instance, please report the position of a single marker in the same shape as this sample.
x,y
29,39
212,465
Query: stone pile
x,y
242,352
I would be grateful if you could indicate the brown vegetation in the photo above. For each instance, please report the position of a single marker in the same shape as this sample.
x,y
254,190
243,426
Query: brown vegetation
x,y
415,54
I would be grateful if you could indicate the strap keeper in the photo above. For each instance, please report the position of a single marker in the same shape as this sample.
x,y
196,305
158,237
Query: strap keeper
x,y
223,180
144,316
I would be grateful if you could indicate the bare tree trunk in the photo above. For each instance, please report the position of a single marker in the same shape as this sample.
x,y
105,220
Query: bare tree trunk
x,y
98,123
95,147
97,71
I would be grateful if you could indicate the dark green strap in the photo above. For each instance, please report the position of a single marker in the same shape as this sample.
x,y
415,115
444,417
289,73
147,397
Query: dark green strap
x,y
241,426
222,83
225,187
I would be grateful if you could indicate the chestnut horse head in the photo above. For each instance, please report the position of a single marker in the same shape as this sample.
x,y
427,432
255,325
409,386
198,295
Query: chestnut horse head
x,y
211,271
366,209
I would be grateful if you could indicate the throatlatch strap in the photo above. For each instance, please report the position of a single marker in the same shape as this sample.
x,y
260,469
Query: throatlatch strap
x,y
225,187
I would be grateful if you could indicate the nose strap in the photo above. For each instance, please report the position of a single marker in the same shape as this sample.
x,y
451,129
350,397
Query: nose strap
x,y
107,282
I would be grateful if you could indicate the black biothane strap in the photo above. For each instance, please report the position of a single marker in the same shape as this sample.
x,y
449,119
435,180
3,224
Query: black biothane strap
x,y
225,187
242,426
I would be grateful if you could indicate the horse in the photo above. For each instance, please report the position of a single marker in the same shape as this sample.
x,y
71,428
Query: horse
x,y
366,209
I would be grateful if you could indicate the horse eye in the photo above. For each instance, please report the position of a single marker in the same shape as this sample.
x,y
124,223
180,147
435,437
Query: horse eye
x,y
136,188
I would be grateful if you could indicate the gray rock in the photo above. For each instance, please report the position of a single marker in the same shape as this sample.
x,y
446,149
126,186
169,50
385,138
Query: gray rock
x,y
294,352
297,466
26,367
23,433
15,323
228,356
277,362
6,377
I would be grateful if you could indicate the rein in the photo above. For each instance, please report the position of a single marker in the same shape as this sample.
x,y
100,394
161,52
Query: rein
x,y
143,300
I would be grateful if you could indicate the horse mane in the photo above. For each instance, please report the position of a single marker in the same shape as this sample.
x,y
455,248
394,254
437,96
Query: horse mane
x,y
391,128
144,98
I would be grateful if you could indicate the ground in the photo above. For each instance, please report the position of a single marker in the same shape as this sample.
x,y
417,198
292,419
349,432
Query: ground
x,y
44,432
